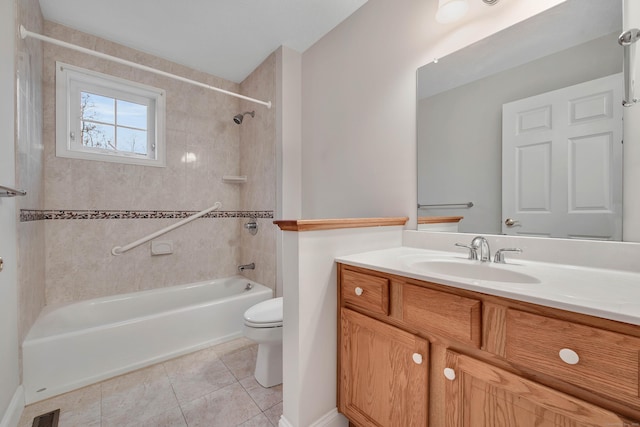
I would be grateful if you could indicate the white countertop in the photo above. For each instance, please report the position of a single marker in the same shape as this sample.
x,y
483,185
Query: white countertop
x,y
610,294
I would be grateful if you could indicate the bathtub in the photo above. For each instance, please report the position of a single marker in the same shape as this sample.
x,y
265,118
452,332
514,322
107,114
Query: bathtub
x,y
77,344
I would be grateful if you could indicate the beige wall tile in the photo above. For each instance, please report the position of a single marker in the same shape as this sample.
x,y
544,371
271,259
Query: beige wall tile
x,y
258,162
79,264
30,167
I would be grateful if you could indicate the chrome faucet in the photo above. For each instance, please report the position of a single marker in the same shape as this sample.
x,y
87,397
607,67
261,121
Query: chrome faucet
x,y
244,267
482,244
499,256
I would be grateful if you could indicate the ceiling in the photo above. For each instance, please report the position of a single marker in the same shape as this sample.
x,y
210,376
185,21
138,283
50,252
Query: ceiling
x,y
561,27
225,38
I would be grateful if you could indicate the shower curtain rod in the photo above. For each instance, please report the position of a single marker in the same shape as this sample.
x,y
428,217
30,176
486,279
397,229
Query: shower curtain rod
x,y
24,33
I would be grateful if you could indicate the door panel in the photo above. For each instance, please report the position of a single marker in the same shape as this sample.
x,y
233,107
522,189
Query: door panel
x,y
533,177
562,162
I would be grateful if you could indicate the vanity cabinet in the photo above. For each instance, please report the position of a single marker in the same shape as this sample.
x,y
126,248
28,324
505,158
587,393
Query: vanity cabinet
x,y
482,395
484,360
586,356
384,373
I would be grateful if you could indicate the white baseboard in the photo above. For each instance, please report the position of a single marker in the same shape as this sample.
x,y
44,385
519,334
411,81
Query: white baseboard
x,y
284,422
331,419
12,416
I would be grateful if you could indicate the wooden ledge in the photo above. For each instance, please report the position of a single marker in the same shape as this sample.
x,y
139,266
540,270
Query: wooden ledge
x,y
333,224
438,219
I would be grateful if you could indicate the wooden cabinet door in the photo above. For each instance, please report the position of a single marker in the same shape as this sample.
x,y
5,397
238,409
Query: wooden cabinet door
x,y
482,395
383,373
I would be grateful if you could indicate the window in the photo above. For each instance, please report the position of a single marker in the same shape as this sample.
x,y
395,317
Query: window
x,y
100,117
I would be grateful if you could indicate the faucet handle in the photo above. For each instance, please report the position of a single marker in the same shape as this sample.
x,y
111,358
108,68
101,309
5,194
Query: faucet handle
x,y
499,256
473,251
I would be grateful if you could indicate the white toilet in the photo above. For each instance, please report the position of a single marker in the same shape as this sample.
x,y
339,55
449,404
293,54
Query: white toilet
x,y
263,324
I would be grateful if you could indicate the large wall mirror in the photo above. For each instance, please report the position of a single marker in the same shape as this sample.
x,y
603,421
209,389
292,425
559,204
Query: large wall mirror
x,y
521,133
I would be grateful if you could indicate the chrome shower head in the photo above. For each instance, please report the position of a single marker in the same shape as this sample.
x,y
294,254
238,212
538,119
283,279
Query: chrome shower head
x,y
239,117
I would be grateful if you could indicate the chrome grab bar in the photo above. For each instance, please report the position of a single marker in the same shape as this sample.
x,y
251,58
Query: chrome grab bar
x,y
119,250
11,192
626,40
440,205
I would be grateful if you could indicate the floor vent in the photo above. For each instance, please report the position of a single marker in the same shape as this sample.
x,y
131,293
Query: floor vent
x,y
50,419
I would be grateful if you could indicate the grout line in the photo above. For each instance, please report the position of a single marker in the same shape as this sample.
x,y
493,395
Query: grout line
x,y
184,417
173,390
101,402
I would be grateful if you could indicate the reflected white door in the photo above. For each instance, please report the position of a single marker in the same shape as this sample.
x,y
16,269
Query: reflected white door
x,y
9,379
562,162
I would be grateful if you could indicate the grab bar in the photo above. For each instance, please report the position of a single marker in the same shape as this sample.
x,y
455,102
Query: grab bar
x,y
119,250
11,192
441,205
626,40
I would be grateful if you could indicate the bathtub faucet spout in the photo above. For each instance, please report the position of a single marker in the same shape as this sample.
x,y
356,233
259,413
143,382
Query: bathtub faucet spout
x,y
244,267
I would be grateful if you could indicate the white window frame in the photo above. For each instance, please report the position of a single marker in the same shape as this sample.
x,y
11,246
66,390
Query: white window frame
x,y
71,80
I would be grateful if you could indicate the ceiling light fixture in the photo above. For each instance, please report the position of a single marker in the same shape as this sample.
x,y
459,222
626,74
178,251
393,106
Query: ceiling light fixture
x,y
453,10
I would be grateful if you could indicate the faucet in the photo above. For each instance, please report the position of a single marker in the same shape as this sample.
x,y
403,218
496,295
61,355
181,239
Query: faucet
x,y
499,257
244,267
482,244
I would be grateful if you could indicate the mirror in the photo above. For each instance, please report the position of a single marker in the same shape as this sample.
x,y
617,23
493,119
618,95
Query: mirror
x,y
460,128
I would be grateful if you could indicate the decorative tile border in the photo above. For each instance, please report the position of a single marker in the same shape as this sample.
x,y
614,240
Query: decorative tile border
x,y
27,215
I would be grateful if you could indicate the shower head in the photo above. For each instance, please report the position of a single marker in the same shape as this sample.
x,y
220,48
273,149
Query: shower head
x,y
238,117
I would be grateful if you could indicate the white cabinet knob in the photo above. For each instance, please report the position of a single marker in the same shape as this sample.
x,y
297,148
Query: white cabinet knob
x,y
359,291
417,358
449,374
569,356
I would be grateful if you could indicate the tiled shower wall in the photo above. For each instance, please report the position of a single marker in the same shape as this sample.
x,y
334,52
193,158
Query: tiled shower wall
x,y
79,264
258,162
29,167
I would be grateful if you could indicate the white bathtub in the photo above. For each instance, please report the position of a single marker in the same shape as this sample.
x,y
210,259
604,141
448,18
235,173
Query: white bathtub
x,y
74,345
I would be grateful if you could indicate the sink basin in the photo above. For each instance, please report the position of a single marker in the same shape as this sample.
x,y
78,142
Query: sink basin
x,y
473,270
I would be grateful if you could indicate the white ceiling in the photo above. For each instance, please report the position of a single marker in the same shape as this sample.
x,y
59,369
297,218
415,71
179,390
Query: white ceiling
x,y
226,38
561,27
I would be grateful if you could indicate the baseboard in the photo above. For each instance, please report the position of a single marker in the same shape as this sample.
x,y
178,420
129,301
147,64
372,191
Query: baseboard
x,y
12,416
331,419
284,422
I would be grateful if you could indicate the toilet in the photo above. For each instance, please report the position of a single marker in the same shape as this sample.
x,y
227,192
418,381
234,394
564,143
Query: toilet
x,y
263,324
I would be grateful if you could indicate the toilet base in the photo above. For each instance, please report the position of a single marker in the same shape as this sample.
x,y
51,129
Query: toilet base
x,y
269,364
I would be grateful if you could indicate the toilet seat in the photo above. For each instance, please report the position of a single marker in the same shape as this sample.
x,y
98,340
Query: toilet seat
x,y
266,314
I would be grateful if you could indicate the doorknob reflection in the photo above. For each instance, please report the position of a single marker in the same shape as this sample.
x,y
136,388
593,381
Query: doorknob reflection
x,y
510,222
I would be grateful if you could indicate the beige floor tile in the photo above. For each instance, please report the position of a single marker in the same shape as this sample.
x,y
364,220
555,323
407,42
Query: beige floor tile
x,y
227,407
200,389
77,408
137,396
241,363
265,398
233,346
274,414
170,418
257,421
197,374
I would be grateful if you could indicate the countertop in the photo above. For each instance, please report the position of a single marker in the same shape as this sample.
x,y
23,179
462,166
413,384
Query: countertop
x,y
606,293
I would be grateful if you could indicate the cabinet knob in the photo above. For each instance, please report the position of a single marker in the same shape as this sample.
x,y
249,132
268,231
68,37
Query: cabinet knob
x,y
359,291
417,358
449,374
569,356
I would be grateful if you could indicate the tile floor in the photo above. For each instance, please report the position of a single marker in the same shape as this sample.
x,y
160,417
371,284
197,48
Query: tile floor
x,y
214,387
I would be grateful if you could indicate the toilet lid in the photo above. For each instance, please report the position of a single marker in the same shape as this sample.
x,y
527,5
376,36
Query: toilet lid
x,y
265,314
